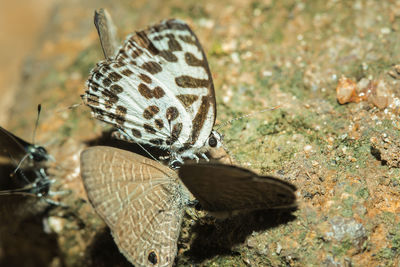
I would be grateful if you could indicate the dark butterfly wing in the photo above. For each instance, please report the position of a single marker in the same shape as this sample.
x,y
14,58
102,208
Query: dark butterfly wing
x,y
221,188
17,148
21,166
28,183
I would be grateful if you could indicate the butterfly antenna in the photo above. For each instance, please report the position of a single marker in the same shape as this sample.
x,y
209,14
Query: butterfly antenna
x,y
148,153
245,116
73,106
20,163
37,123
18,167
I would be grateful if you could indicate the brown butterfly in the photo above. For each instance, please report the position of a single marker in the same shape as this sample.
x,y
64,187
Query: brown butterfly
x,y
142,201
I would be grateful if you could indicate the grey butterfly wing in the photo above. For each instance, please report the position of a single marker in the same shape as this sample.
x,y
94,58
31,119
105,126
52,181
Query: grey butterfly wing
x,y
154,241
107,33
221,187
139,199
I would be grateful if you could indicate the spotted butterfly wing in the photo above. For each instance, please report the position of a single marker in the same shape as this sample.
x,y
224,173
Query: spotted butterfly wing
x,y
139,199
227,188
158,91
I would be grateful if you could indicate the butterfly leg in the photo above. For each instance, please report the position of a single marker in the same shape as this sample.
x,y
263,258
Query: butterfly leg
x,y
175,162
120,135
195,157
204,156
54,203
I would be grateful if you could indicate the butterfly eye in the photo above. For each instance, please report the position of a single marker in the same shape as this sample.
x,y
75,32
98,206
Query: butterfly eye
x,y
153,258
176,164
212,141
38,153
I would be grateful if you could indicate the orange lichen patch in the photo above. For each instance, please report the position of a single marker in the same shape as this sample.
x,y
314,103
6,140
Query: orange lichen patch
x,y
378,235
385,200
346,91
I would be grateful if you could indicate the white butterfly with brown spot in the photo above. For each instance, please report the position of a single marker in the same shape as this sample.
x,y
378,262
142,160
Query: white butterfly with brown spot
x,y
142,201
157,90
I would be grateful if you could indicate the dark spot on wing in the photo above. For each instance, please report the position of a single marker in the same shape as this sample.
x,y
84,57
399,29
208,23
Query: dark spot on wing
x,y
173,44
120,114
136,133
159,123
157,141
92,100
150,111
149,129
187,100
106,82
168,56
145,78
191,60
115,77
172,113
153,257
200,118
126,72
158,92
186,81
152,67
145,91
116,89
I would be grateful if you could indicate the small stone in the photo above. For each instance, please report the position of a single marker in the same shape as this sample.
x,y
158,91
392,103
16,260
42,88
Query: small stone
x,y
278,248
307,148
56,224
346,91
381,96
348,229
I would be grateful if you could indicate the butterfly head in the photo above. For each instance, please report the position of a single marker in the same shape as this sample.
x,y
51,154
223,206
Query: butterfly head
x,y
214,140
38,153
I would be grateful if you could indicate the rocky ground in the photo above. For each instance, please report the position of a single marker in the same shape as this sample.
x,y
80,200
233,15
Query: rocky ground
x,y
330,67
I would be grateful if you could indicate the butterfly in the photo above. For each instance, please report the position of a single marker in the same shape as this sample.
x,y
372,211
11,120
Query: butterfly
x,y
17,148
142,201
28,174
158,90
30,183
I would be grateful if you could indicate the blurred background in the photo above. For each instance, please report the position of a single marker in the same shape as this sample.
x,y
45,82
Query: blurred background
x,y
21,24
